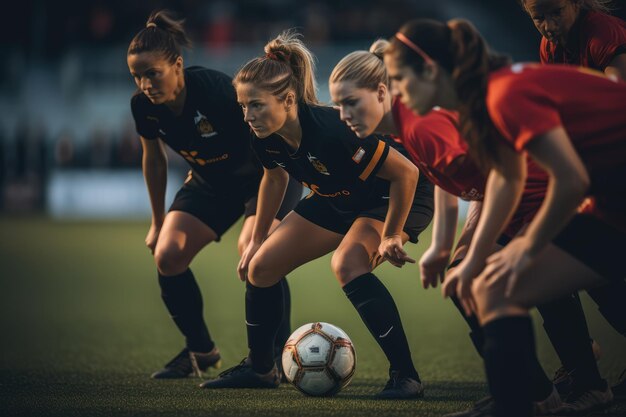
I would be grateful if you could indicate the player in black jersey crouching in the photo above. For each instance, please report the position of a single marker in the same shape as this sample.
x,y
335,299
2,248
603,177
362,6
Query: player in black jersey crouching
x,y
365,203
194,111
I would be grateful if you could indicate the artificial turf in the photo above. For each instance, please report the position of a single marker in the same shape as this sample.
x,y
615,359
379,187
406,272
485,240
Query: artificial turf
x,y
82,326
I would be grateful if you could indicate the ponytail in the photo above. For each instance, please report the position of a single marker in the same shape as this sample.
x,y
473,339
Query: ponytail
x,y
287,64
473,63
162,34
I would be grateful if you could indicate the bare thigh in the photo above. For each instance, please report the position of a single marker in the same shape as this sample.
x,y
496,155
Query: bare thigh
x,y
295,242
180,239
555,274
357,253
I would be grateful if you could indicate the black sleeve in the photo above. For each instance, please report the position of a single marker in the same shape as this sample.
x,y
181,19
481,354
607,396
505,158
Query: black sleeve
x,y
146,125
264,153
367,155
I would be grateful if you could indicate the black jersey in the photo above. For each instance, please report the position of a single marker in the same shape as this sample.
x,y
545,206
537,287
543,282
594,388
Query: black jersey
x,y
331,160
209,133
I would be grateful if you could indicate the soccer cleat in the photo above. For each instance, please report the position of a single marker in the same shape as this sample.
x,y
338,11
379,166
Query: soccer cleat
x,y
243,376
188,363
400,388
586,402
548,406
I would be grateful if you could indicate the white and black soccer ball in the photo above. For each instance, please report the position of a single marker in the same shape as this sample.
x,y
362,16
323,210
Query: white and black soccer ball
x,y
319,359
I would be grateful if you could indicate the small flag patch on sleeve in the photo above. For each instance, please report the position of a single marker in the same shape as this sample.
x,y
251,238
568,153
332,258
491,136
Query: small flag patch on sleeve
x,y
358,155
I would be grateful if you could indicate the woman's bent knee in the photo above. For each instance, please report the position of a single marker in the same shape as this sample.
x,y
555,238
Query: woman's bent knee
x,y
170,262
261,273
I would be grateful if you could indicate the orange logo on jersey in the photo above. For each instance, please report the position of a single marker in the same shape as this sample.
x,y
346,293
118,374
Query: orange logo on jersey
x,y
191,156
317,164
315,190
205,129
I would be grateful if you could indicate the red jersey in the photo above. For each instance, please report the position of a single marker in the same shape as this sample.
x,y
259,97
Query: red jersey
x,y
596,38
525,101
438,150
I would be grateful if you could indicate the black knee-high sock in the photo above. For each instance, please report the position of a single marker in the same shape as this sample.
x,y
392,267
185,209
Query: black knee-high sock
x,y
542,386
264,312
508,351
610,300
183,300
565,324
284,331
476,334
379,313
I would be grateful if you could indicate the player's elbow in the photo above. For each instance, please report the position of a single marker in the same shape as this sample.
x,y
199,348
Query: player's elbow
x,y
411,173
575,185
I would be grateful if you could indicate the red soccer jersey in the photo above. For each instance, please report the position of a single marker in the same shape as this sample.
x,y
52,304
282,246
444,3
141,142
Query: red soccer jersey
x,y
600,37
527,100
437,149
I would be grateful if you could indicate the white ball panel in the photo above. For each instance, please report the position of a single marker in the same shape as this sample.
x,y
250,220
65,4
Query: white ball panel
x,y
314,350
343,362
316,382
290,366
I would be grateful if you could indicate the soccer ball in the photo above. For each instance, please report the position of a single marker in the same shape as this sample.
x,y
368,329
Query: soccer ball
x,y
319,359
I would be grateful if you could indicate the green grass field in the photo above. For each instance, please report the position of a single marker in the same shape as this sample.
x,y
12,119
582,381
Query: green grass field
x,y
83,326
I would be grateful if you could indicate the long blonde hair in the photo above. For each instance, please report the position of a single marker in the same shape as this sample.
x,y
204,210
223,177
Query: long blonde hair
x,y
365,68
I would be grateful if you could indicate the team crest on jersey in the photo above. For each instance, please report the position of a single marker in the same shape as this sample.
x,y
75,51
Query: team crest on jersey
x,y
205,129
317,164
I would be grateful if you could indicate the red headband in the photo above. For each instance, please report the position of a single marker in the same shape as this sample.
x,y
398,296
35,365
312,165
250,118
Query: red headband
x,y
408,42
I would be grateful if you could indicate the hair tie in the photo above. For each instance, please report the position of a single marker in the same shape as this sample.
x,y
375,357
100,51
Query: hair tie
x,y
408,42
151,25
379,56
278,56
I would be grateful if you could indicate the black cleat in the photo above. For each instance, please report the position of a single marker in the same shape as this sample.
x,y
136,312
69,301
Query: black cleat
x,y
243,376
188,363
399,387
586,402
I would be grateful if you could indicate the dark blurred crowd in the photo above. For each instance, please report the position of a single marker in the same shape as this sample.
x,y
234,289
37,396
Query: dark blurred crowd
x,y
48,28
28,157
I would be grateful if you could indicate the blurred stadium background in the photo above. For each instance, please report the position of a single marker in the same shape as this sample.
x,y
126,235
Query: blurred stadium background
x,y
81,321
